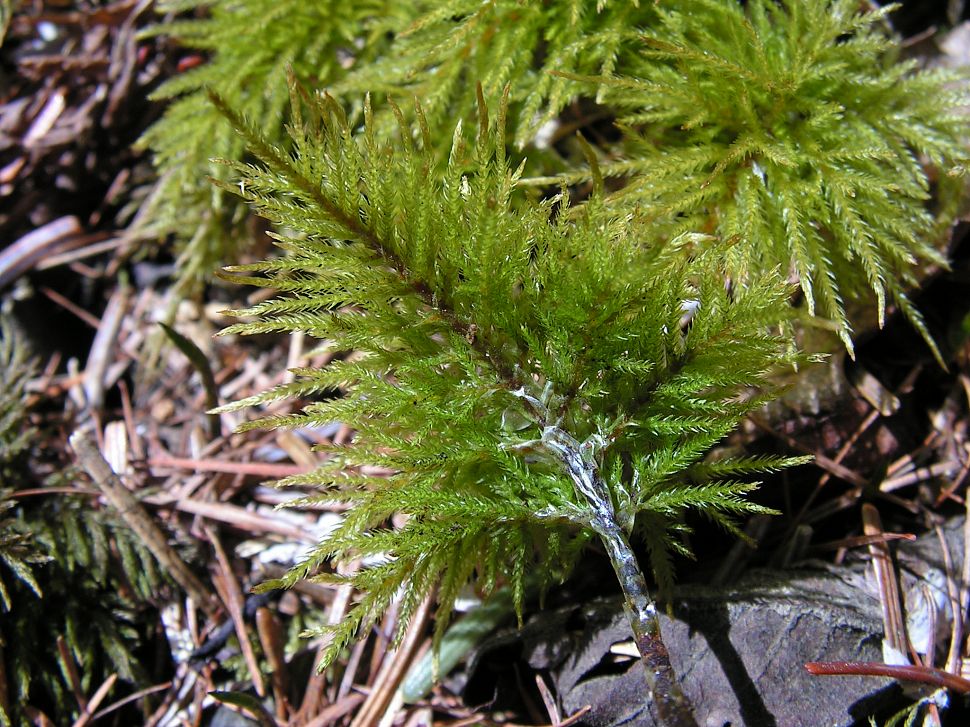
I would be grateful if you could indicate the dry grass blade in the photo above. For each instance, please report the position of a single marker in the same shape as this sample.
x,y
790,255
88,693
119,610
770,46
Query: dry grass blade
x,y
257,469
231,595
95,701
70,668
575,717
960,651
317,682
828,464
921,474
71,307
859,540
892,612
839,456
94,244
548,700
234,515
338,691
268,629
333,712
104,342
571,720
956,593
140,694
394,669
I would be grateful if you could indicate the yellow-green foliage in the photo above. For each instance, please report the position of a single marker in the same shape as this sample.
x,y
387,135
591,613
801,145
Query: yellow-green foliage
x,y
437,51
248,45
794,127
509,348
483,327
457,44
790,126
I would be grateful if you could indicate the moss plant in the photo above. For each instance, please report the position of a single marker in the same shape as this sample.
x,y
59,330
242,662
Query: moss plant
x,y
67,571
315,39
439,52
793,127
94,591
452,46
529,384
535,377
19,554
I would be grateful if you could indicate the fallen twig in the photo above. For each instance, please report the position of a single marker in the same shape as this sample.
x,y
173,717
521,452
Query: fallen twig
x,y
138,519
233,515
23,254
894,626
257,469
95,701
268,629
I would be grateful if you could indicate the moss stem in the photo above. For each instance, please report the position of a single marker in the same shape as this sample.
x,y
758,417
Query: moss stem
x,y
673,707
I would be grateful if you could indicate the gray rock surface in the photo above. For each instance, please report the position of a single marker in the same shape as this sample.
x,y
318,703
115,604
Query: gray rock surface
x,y
740,651
740,654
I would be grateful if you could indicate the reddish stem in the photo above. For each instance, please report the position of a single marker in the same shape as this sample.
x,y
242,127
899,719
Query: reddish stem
x,y
921,674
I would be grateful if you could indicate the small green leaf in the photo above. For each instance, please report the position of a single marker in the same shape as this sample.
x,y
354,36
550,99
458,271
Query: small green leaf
x,y
201,364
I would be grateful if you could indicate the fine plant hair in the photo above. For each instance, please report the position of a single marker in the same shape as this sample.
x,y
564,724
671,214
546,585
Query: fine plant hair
x,y
528,380
793,127
67,571
248,46
454,45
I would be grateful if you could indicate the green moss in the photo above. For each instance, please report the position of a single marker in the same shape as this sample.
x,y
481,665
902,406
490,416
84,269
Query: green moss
x,y
793,128
486,329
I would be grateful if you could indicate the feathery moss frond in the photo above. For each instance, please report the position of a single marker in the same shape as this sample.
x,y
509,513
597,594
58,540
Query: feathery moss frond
x,y
248,46
792,127
92,591
454,45
77,573
494,338
19,554
15,370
